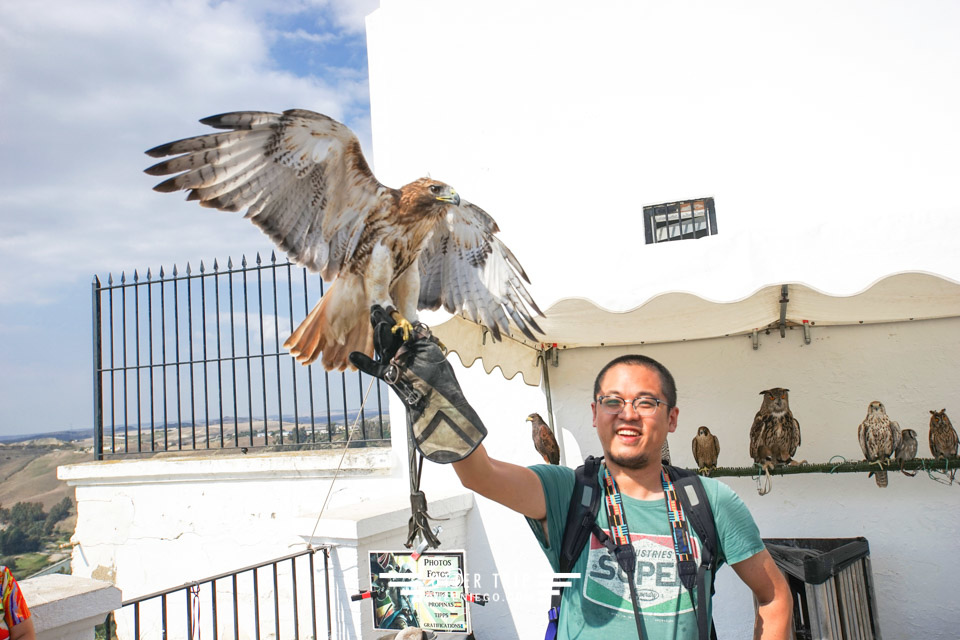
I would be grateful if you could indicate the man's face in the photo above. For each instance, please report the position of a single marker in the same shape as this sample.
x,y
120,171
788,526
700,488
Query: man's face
x,y
627,439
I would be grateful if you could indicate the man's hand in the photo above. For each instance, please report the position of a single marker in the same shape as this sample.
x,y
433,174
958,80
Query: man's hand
x,y
442,424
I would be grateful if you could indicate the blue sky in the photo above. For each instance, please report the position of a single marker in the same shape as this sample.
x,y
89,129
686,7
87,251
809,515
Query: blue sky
x,y
86,87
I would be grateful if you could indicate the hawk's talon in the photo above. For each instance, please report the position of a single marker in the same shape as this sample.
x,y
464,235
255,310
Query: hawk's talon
x,y
402,325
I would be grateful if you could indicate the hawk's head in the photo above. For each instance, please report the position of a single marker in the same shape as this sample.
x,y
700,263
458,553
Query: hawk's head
x,y
876,407
427,196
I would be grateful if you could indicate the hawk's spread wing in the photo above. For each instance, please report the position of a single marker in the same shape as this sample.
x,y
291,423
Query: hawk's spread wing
x,y
466,269
300,175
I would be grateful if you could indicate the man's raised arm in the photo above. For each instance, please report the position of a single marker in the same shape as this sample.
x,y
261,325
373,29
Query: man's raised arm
x,y
511,485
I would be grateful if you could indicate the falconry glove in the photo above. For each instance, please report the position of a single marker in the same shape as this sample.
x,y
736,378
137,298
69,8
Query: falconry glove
x,y
440,422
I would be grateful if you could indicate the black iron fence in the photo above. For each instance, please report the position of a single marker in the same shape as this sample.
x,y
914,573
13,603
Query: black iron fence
x,y
273,599
193,361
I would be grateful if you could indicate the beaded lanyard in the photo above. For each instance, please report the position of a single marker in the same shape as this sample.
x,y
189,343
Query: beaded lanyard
x,y
620,534
678,523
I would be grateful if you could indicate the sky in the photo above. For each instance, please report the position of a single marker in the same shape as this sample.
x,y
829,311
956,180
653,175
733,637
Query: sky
x,y
86,86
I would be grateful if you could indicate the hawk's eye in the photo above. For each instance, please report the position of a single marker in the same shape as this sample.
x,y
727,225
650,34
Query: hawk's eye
x,y
434,189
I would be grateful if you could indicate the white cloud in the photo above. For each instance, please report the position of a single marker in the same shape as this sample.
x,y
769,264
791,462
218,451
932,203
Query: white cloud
x,y
87,86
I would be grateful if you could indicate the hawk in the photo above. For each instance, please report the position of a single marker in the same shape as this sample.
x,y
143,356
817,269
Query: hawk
x,y
706,450
943,437
543,439
879,437
906,450
303,180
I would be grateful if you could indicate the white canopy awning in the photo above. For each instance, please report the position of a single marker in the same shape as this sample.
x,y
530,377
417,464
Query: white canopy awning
x,y
678,316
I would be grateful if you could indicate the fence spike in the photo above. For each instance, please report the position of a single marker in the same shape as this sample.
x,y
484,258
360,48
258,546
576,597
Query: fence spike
x,y
123,277
258,257
96,280
201,266
273,257
174,270
148,274
216,267
161,272
136,278
229,262
188,269
110,279
243,261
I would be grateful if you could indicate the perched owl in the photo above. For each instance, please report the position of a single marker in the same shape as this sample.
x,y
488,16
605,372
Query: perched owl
x,y
879,437
943,437
906,450
775,434
543,439
706,450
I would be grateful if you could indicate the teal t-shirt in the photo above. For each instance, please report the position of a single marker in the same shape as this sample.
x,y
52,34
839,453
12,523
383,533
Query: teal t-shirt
x,y
597,605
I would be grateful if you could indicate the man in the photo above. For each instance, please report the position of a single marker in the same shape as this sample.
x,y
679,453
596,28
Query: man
x,y
634,408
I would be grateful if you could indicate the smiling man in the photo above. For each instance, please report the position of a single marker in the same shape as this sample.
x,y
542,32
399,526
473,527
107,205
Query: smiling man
x,y
634,408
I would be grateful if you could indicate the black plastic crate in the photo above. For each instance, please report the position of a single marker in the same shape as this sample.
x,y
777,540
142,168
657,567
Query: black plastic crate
x,y
832,586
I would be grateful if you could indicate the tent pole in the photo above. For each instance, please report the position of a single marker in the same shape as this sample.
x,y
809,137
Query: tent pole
x,y
543,359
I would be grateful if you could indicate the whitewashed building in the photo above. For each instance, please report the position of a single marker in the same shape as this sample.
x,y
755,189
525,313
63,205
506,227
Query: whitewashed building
x,y
825,136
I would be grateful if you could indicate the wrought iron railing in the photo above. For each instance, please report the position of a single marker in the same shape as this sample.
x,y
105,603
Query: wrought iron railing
x,y
193,361
273,599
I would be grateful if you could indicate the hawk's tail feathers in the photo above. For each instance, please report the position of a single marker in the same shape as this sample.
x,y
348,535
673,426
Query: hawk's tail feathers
x,y
332,331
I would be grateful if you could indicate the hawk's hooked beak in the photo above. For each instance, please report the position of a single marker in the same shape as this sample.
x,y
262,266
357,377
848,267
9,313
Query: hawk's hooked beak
x,y
452,197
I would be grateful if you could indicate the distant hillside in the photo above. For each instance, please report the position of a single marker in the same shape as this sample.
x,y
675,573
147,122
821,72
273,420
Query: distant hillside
x,y
28,472
68,435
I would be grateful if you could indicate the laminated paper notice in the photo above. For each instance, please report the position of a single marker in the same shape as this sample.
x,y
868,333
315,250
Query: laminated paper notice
x,y
423,591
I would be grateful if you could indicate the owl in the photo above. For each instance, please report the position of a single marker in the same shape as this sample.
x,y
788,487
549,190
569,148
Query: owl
x,y
943,437
906,450
706,450
543,439
775,434
879,437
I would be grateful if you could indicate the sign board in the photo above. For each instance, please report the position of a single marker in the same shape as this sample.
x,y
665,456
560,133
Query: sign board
x,y
412,590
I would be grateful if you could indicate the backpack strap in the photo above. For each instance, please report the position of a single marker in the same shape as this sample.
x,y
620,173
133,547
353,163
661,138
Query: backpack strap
x,y
697,510
581,516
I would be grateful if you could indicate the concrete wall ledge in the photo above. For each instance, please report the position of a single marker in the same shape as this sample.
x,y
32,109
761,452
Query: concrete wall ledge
x,y
368,461
68,607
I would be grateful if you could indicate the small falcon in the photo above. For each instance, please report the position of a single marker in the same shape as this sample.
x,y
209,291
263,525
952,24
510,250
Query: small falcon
x,y
706,450
303,180
543,439
879,437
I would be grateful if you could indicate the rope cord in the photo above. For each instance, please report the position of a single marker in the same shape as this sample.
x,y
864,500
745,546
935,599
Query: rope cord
x,y
336,474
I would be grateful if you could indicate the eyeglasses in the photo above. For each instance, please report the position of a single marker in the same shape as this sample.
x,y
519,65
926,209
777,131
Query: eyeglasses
x,y
645,407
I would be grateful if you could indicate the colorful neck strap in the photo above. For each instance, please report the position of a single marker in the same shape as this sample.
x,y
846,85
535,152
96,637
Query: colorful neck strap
x,y
617,520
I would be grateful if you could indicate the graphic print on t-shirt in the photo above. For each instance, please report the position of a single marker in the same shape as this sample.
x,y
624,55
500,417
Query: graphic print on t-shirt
x,y
659,591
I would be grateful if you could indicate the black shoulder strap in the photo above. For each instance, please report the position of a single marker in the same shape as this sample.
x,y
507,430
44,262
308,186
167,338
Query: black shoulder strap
x,y
584,505
581,515
697,510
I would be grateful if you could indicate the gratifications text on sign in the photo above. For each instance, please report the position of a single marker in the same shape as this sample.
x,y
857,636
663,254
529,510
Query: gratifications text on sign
x,y
425,591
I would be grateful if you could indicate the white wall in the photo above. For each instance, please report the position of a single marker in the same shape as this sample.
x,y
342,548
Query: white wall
x,y
824,132
151,525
